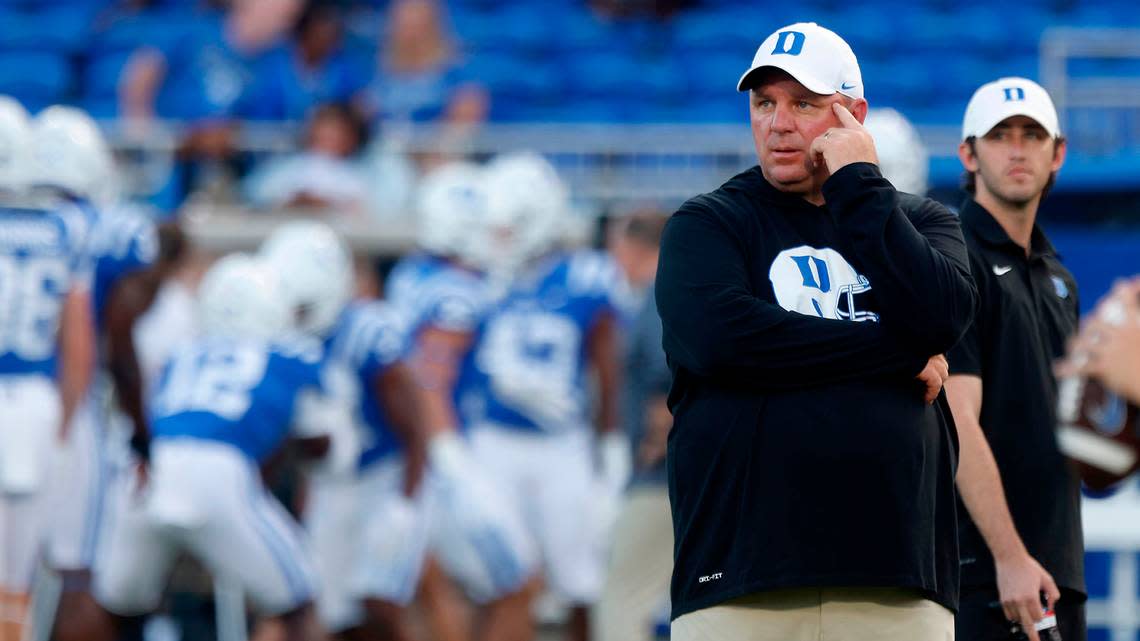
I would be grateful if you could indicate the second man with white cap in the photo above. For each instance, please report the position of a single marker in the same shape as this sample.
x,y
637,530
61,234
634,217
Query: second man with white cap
x,y
806,305
1020,544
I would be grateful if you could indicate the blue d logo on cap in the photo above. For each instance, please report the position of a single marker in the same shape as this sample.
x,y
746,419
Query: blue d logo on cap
x,y
1013,94
792,48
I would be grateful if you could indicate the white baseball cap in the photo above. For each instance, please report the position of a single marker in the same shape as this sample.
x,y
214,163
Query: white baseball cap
x,y
816,57
995,101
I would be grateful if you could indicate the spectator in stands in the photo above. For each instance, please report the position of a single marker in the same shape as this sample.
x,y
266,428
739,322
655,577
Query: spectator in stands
x,y
325,174
205,74
204,79
310,70
419,76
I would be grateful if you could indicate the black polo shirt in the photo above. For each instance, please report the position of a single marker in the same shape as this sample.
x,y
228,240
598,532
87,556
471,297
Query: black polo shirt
x,y
1029,308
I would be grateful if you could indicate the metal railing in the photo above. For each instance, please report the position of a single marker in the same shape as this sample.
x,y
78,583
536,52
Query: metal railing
x,y
1100,113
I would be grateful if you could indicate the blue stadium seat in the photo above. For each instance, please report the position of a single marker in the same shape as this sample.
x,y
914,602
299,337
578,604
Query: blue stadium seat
x,y
863,27
52,4
589,110
714,74
580,30
101,77
906,82
515,76
99,108
158,28
719,30
527,27
63,29
477,30
600,75
1103,14
661,79
36,78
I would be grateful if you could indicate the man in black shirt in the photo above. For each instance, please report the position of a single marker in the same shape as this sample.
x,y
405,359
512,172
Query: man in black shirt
x,y
811,476
1001,388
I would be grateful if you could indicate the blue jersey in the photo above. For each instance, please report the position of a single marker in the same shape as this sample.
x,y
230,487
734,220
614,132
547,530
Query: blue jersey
x,y
431,292
42,258
528,369
122,242
406,276
368,338
237,391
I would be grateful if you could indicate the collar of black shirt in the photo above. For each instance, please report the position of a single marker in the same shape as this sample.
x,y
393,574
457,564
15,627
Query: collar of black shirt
x,y
754,177
977,220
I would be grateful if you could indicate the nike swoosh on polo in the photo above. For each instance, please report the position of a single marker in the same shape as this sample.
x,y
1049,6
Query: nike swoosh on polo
x,y
1002,270
846,86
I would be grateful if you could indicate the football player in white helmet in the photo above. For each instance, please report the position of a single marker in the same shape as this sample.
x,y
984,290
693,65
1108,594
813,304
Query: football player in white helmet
x,y
240,296
71,156
527,210
903,157
443,294
227,402
451,205
46,348
315,268
542,351
71,168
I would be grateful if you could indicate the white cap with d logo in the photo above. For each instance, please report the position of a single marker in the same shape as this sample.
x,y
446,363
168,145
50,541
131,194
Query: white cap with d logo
x,y
816,57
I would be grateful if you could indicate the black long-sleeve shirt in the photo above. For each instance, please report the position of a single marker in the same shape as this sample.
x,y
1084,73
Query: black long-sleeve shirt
x,y
802,453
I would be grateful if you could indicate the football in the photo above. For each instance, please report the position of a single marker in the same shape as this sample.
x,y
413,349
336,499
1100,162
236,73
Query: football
x,y
1099,431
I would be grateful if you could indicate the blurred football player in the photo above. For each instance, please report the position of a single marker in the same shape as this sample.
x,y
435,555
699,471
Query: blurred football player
x,y
169,321
224,405
903,158
46,348
73,164
1001,388
443,297
369,531
529,388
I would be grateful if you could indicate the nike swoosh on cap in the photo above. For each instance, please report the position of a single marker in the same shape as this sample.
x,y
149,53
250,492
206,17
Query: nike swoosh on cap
x,y
1002,270
846,86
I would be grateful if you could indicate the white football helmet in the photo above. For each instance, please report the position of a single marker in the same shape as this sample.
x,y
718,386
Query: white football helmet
x,y
315,269
528,206
15,140
69,153
241,296
451,204
903,157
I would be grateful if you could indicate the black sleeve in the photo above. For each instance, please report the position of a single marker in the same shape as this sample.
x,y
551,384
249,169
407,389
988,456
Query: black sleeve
x,y
713,325
657,372
966,355
916,260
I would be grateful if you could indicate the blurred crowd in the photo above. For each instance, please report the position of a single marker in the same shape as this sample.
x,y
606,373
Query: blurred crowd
x,y
354,77
286,61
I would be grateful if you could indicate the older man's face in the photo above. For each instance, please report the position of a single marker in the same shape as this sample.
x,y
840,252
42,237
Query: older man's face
x,y
786,118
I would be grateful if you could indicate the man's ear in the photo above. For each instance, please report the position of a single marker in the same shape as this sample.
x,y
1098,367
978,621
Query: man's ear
x,y
859,110
966,156
1060,148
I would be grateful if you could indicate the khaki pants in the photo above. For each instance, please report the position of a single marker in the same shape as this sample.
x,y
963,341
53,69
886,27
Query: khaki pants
x,y
828,614
641,563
